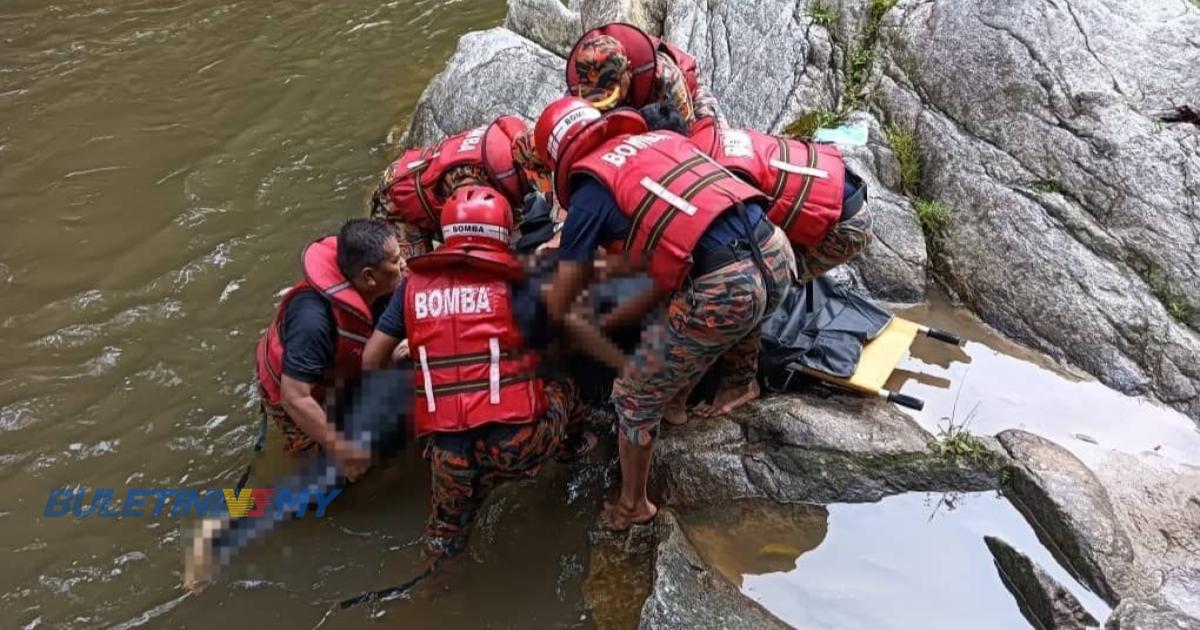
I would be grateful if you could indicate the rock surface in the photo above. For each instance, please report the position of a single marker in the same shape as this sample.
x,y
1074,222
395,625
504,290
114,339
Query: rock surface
x,y
1139,614
802,448
688,595
492,72
1034,119
1043,601
548,23
1129,529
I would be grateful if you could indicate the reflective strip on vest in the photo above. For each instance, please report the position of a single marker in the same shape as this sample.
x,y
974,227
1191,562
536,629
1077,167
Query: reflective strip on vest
x,y
430,405
337,287
798,202
668,196
349,335
494,369
800,170
661,227
648,200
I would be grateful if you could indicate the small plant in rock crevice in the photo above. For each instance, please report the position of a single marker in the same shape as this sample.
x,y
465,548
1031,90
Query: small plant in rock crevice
x,y
954,441
806,125
934,218
904,145
822,15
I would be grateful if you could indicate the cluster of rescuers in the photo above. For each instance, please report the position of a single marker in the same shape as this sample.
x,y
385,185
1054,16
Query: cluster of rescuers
x,y
641,174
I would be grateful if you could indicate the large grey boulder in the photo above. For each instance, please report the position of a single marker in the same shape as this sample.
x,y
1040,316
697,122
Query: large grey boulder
x,y
1129,528
492,72
1151,614
802,448
1076,213
548,23
1071,510
687,594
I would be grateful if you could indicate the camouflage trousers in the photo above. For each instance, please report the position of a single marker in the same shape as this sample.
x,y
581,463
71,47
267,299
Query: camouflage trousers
x,y
294,439
844,242
467,466
714,317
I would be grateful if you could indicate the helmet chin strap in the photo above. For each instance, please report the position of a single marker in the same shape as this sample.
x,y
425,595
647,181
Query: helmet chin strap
x,y
609,102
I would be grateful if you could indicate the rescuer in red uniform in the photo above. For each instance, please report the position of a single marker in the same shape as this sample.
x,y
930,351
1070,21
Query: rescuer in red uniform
x,y
318,333
619,65
700,233
474,331
814,198
416,185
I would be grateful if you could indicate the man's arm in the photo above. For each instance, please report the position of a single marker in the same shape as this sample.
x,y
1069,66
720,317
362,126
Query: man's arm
x,y
378,353
632,311
570,280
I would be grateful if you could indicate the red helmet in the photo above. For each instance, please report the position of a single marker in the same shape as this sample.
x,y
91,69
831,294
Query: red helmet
x,y
477,217
561,122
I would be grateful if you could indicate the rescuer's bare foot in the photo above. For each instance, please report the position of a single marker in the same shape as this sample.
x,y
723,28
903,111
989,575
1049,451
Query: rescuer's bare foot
x,y
676,412
729,398
618,518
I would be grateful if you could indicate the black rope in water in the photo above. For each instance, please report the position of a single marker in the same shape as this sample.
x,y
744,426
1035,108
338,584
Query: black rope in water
x,y
393,592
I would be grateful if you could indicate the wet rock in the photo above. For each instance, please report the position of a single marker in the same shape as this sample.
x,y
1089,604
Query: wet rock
x,y
1149,614
1071,511
620,573
1043,601
1043,163
803,448
1158,505
893,267
687,594
548,23
492,72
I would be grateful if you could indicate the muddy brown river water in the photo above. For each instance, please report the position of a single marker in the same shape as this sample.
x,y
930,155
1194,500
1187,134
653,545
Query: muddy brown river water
x,y
161,164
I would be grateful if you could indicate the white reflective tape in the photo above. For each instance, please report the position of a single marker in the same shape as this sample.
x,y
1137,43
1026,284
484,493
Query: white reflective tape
x,y
484,230
494,370
430,404
349,335
417,164
662,193
581,113
800,170
337,287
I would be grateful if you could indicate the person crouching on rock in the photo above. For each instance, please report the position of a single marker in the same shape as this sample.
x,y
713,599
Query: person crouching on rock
x,y
475,331
818,202
701,234
619,65
318,333
416,185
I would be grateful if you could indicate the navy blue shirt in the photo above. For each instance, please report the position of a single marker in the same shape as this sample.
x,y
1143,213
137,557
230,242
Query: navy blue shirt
x,y
594,218
528,310
310,337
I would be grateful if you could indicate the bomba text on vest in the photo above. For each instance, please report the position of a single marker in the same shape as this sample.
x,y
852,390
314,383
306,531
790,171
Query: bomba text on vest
x,y
631,146
456,301
472,139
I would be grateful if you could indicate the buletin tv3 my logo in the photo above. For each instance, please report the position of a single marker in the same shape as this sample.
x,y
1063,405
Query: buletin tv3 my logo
x,y
185,502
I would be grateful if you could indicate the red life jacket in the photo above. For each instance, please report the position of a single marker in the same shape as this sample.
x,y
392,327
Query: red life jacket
x,y
410,185
670,190
351,314
472,366
804,179
643,59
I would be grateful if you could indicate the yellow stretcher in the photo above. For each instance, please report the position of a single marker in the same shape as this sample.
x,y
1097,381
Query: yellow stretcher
x,y
879,359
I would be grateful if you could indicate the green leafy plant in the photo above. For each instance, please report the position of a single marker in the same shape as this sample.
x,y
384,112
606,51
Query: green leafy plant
x,y
806,125
1047,185
955,441
934,218
822,15
904,145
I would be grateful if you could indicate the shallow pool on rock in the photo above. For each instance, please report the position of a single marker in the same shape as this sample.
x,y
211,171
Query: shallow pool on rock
x,y
999,385
913,560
